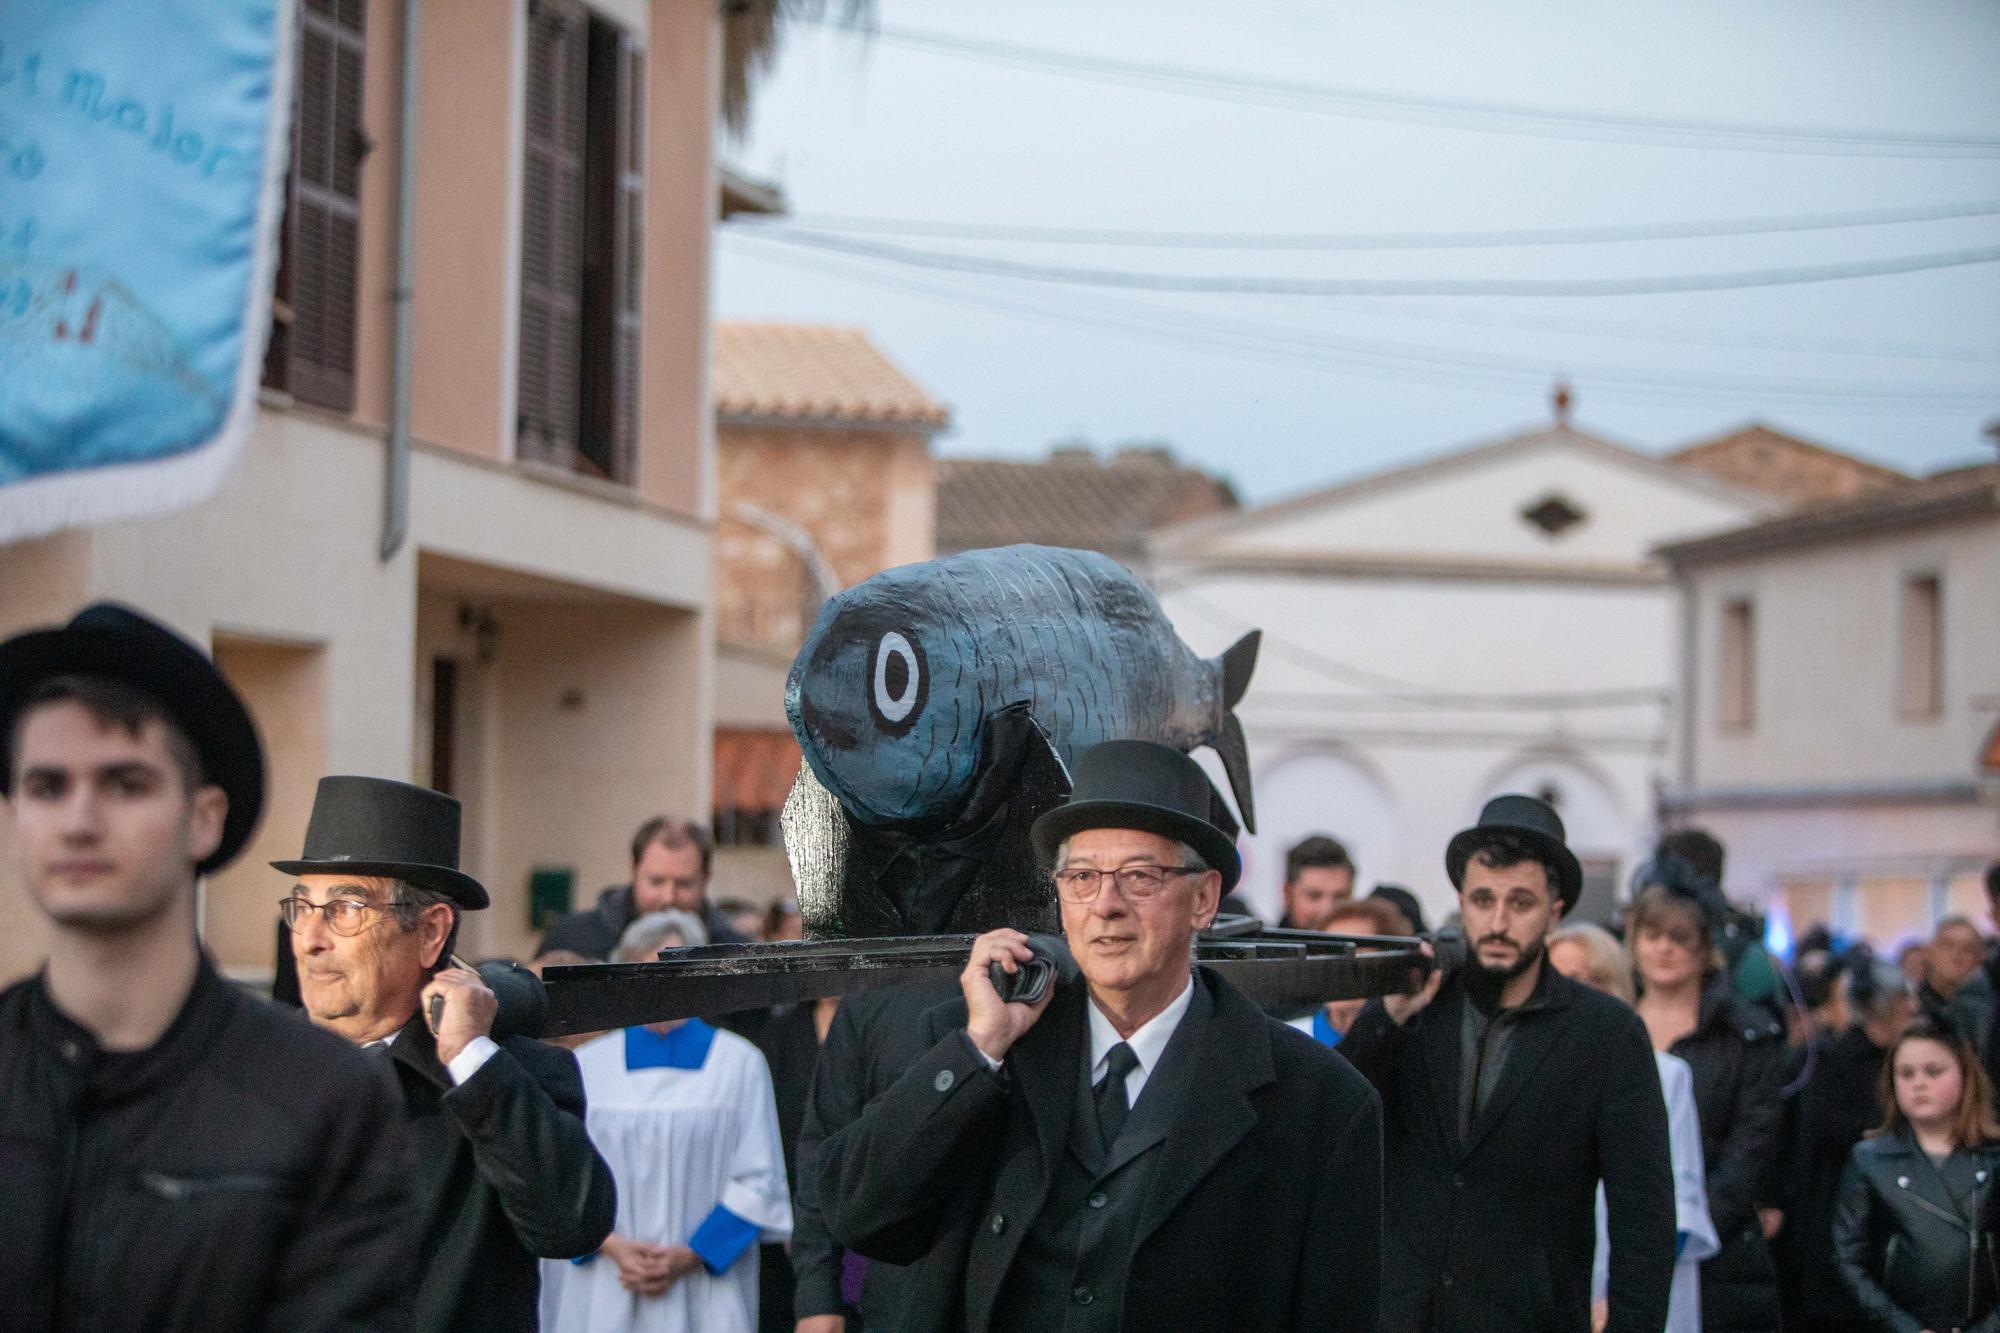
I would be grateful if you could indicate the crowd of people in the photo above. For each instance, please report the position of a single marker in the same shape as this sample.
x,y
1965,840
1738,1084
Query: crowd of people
x,y
1656,1125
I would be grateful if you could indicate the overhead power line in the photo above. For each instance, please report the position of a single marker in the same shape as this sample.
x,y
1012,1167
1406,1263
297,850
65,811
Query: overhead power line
x,y
1266,344
1161,239
1547,122
1250,283
1393,688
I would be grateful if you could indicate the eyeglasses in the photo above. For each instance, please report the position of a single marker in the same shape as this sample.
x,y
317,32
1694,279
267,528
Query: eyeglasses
x,y
344,916
1135,883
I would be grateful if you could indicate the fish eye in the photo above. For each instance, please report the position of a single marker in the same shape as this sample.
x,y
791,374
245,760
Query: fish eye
x,y
899,687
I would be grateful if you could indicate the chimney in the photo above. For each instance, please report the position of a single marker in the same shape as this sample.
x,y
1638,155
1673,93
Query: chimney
x,y
1075,449
1155,454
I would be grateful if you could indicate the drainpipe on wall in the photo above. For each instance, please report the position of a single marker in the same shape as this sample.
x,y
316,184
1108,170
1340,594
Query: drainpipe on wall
x,y
1690,672
396,486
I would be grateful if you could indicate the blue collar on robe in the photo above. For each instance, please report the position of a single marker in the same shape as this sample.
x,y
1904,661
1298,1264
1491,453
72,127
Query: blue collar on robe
x,y
1324,1031
686,1047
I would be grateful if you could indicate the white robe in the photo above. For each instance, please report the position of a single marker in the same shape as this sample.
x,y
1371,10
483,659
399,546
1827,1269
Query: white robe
x,y
678,1141
1690,1202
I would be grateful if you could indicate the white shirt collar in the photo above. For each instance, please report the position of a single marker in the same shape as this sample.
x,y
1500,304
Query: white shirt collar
x,y
1148,1043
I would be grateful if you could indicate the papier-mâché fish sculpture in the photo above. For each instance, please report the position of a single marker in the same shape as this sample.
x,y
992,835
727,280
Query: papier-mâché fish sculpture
x,y
920,692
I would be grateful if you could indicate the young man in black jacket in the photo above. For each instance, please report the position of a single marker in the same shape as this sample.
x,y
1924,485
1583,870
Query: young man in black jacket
x,y
1509,1092
174,1154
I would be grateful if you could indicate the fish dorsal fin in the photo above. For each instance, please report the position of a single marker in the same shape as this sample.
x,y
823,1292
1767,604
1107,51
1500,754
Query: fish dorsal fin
x,y
1237,663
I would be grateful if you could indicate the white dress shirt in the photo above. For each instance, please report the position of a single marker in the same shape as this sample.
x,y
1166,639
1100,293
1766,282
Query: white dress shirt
x,y
463,1065
1149,1043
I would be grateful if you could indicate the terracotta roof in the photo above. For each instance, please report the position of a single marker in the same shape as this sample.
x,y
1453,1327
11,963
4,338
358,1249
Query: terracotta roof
x,y
1072,498
1954,494
814,373
1797,471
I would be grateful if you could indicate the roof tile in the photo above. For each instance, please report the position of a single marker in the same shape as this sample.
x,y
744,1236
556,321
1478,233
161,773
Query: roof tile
x,y
1071,500
814,372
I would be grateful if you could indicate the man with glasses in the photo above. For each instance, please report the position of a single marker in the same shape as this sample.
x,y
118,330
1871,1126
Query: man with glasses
x,y
174,1153
503,1173
1120,1152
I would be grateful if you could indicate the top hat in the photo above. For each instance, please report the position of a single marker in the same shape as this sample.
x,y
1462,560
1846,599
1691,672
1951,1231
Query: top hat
x,y
1534,822
378,827
1150,787
111,642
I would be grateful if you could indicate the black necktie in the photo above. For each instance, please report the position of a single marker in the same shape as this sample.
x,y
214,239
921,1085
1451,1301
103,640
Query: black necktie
x,y
1112,1106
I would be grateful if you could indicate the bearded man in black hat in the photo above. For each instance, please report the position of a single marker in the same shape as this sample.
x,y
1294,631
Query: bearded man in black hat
x,y
1510,1091
503,1173
174,1154
1140,1148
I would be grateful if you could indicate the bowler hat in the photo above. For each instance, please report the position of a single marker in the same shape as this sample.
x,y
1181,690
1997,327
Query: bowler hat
x,y
1535,823
110,642
379,827
1150,787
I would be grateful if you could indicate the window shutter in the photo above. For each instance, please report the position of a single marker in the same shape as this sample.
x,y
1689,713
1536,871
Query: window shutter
x,y
312,342
628,240
552,233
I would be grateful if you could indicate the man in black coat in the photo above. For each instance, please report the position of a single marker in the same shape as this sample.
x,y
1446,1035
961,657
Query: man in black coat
x,y
1510,1091
1139,1147
174,1153
671,863
873,1040
502,1171
1839,1103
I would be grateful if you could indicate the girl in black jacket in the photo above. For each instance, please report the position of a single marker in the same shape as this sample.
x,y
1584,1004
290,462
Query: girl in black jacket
x,y
1913,1231
1736,1052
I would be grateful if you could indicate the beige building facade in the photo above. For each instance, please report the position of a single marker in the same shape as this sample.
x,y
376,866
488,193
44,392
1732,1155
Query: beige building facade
x,y
1486,621
541,643
1842,668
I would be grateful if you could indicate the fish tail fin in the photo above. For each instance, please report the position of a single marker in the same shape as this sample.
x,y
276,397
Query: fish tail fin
x,y
1235,752
1236,664
1234,667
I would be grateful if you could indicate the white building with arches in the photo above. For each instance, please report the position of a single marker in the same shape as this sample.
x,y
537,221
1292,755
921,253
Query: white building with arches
x,y
1491,620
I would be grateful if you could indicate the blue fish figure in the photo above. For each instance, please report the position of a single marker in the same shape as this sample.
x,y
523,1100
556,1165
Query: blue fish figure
x,y
938,705
895,692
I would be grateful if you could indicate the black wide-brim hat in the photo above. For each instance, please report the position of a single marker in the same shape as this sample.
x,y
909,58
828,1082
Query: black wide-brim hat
x,y
383,829
1150,787
110,642
1534,822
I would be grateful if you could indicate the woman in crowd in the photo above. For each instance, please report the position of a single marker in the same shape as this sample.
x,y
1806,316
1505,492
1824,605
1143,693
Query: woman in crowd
x,y
1913,1231
683,1114
1590,954
1736,1053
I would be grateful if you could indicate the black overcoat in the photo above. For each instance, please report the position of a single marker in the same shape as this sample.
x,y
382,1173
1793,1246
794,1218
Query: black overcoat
x,y
1839,1103
874,1038
244,1173
1737,1055
502,1175
1497,1233
1263,1211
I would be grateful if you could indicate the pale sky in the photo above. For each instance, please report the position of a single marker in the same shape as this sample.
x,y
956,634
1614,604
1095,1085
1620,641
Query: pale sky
x,y
1273,390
